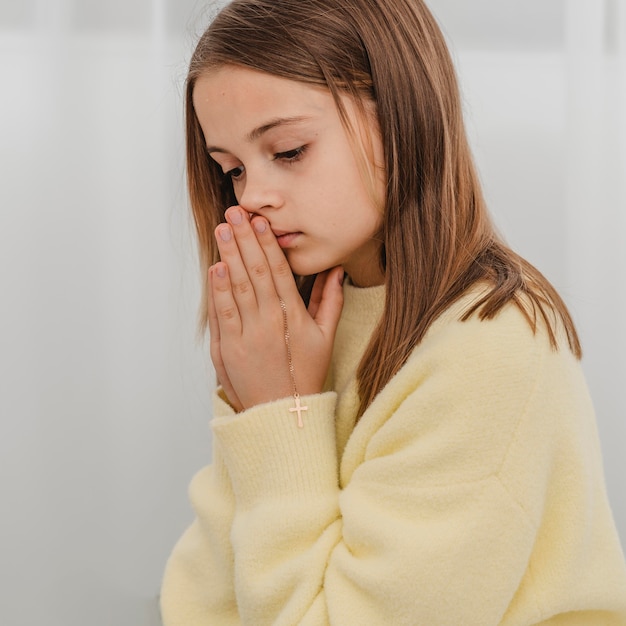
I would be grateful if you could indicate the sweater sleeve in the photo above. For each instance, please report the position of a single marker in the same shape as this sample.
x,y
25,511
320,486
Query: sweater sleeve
x,y
443,494
287,519
387,545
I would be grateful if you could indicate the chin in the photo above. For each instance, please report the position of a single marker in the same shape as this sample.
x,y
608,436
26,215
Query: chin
x,y
304,268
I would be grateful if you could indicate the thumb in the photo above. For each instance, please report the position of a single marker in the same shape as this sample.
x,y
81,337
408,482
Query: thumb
x,y
327,299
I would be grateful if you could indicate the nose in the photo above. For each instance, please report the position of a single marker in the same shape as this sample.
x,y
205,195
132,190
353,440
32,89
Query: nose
x,y
259,191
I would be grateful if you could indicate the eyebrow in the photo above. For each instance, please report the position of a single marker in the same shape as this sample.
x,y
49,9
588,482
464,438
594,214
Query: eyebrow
x,y
261,130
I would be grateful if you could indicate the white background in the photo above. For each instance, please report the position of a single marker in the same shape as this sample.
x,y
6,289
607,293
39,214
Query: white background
x,y
104,390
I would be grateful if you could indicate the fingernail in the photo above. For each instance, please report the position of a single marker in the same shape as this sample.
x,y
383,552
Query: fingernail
x,y
260,226
225,234
341,277
220,270
235,216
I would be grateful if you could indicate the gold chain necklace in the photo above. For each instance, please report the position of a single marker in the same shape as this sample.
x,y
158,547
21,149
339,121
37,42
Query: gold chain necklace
x,y
296,396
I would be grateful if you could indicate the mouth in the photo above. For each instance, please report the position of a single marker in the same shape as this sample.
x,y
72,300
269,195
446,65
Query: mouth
x,y
285,239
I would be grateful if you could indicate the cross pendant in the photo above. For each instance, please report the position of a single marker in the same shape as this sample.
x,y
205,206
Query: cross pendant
x,y
298,409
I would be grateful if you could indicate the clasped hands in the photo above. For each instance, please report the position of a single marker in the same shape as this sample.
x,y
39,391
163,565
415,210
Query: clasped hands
x,y
246,323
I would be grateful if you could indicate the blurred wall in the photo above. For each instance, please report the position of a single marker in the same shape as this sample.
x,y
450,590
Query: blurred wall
x,y
104,390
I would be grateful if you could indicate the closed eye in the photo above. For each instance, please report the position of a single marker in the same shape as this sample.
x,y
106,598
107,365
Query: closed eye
x,y
291,156
235,173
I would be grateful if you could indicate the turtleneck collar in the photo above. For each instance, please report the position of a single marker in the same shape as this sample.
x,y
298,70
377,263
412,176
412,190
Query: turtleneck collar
x,y
363,305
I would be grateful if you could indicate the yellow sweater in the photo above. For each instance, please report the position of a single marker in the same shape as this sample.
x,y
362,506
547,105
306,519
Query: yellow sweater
x,y
470,493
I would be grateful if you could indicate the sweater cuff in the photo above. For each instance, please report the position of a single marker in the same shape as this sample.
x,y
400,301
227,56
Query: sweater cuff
x,y
268,456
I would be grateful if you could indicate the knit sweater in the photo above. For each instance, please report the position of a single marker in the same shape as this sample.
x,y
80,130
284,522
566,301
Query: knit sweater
x,y
470,493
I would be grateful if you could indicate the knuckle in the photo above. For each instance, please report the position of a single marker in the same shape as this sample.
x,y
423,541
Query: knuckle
x,y
241,287
282,269
260,270
227,312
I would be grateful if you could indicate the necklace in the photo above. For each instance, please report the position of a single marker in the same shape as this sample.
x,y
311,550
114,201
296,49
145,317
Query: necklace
x,y
296,396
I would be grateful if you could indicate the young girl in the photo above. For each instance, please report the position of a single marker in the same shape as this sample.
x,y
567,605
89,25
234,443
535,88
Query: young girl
x,y
402,433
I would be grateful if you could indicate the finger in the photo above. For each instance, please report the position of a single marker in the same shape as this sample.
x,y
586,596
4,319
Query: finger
x,y
214,327
239,280
280,270
216,351
316,293
255,263
214,335
226,311
327,299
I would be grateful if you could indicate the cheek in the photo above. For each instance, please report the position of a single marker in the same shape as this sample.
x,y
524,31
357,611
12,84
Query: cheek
x,y
373,223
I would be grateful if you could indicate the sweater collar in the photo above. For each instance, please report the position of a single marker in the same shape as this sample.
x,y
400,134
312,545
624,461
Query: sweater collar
x,y
364,305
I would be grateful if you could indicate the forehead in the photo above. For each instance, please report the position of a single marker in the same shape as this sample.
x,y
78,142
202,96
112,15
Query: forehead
x,y
240,94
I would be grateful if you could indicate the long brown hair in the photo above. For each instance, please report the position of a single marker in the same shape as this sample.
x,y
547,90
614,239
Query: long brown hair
x,y
438,239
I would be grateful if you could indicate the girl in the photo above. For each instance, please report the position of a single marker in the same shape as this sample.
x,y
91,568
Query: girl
x,y
402,433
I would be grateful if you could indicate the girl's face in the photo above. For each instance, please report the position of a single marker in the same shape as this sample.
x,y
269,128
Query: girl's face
x,y
290,160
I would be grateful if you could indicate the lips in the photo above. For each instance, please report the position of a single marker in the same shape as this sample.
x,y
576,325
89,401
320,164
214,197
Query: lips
x,y
285,239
